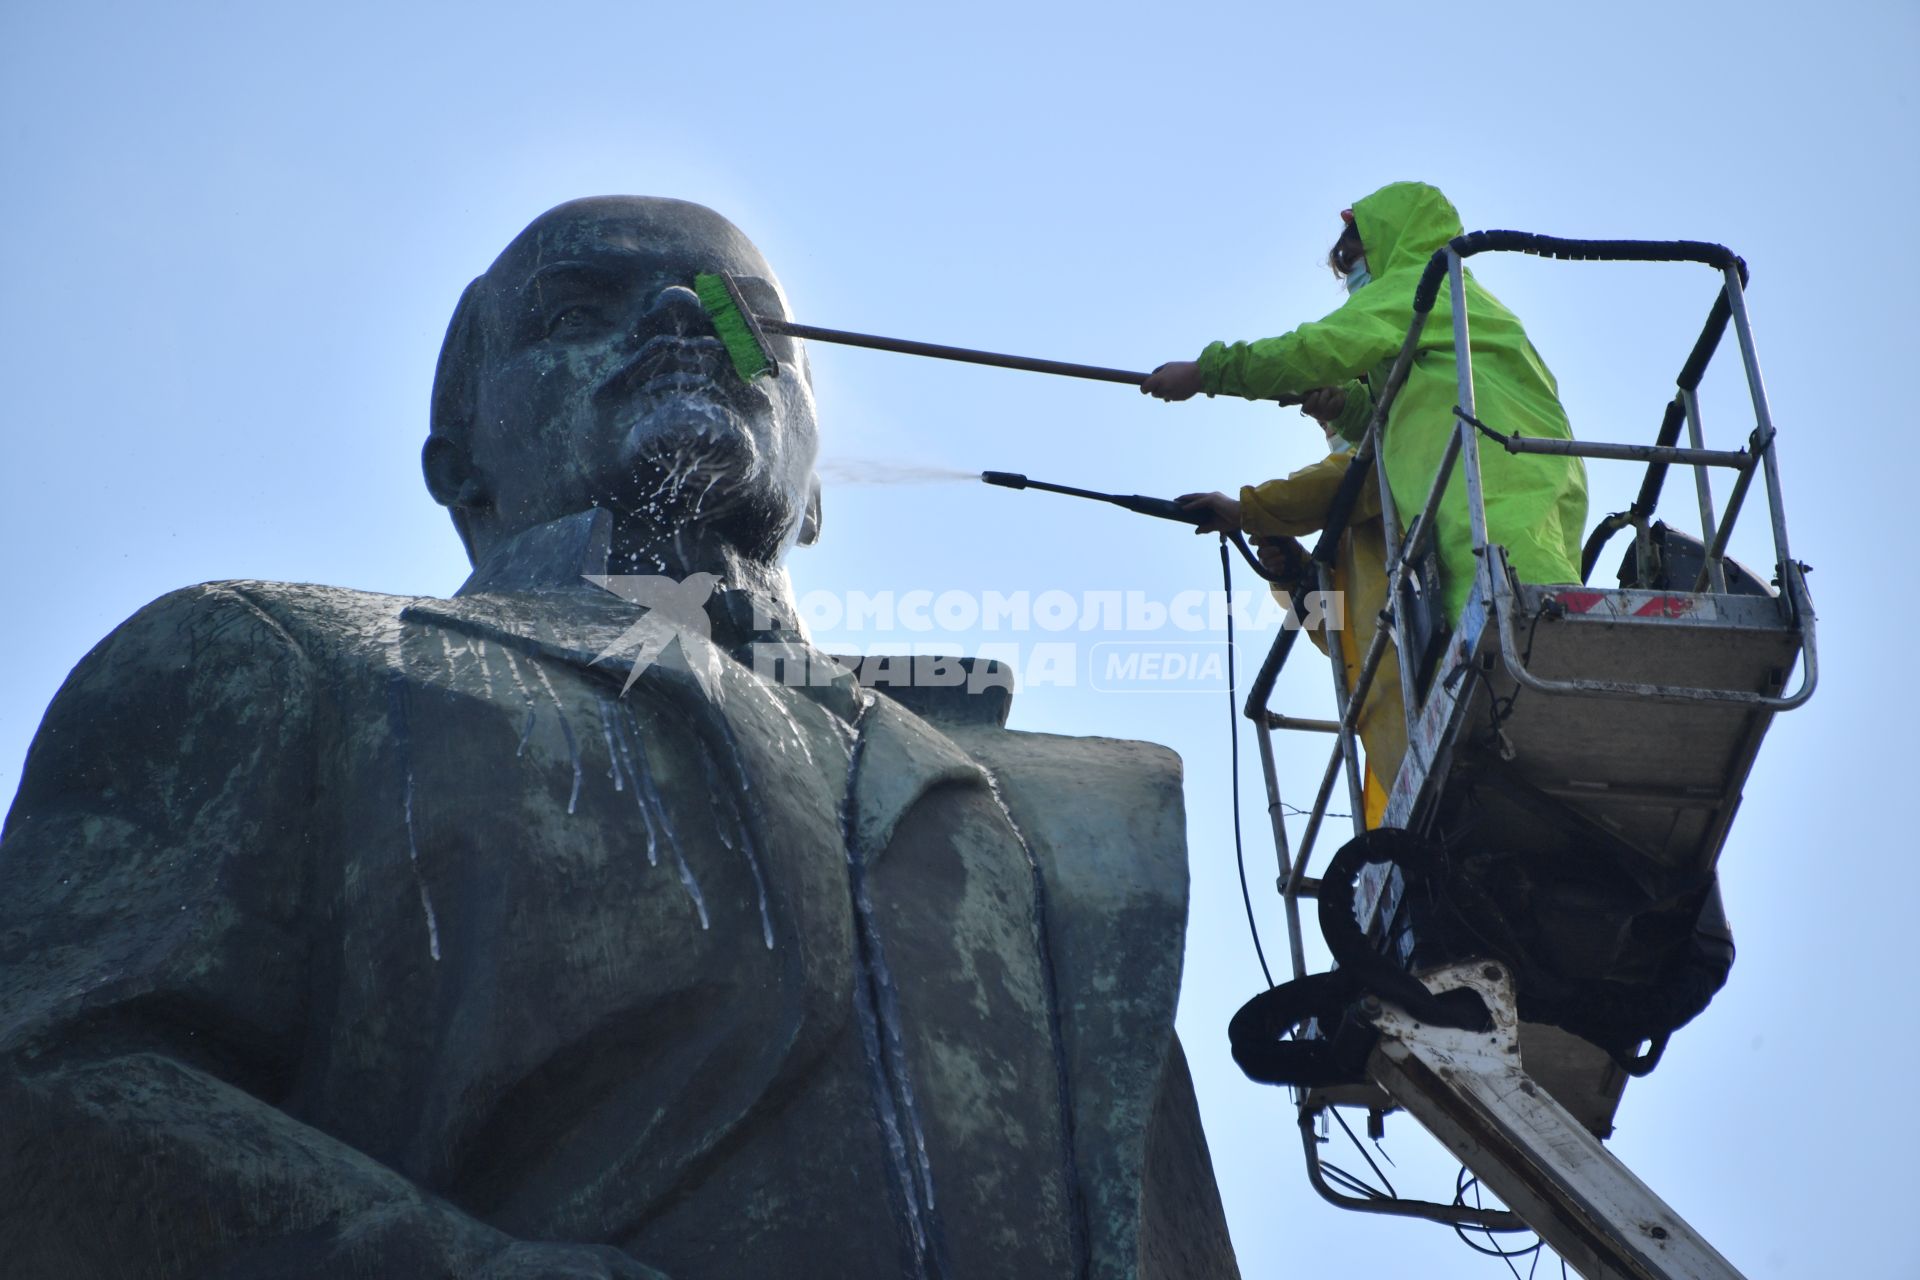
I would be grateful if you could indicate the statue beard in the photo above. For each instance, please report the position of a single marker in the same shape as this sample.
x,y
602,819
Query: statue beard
x,y
694,472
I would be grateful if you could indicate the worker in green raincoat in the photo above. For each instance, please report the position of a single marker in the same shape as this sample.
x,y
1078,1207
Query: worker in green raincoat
x,y
1536,504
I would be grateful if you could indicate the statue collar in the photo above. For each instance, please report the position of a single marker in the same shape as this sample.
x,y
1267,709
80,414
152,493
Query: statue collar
x,y
554,556
574,552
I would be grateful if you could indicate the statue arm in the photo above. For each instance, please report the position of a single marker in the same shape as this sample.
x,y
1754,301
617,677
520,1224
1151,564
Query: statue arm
x,y
154,935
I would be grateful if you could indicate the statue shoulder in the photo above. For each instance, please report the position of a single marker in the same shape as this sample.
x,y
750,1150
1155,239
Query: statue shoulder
x,y
1112,797
1149,764
200,698
239,617
310,616
217,667
213,624
1076,789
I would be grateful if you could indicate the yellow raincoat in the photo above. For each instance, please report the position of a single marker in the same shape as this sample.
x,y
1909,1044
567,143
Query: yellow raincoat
x,y
1297,506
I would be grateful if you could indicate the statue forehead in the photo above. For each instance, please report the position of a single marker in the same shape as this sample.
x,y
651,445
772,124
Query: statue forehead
x,y
646,232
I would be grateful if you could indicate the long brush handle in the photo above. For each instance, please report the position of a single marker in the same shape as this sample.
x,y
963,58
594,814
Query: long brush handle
x,y
909,347
744,335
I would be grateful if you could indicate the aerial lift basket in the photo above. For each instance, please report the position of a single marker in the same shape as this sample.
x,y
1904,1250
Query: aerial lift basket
x,y
1539,910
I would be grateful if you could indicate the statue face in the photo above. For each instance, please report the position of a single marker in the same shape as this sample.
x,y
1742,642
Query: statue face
x,y
599,382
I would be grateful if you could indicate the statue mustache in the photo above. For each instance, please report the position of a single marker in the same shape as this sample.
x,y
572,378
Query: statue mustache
x,y
703,361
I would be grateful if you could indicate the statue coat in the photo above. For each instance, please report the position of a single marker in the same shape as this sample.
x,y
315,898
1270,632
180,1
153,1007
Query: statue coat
x,y
354,934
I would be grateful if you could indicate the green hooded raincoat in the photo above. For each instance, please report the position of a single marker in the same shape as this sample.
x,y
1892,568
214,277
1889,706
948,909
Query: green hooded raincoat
x,y
1536,505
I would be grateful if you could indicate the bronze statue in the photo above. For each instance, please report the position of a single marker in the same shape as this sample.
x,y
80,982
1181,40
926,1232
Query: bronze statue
x,y
539,932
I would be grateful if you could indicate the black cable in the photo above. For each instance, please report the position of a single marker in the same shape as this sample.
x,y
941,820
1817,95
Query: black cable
x,y
1233,736
1483,428
1466,1181
1333,1173
1296,811
1348,1130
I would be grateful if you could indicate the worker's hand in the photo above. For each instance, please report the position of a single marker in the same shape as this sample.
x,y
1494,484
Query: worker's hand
x,y
1285,559
1324,404
1175,380
1223,513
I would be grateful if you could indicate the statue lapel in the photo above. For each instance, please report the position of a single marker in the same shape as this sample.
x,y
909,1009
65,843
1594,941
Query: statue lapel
x,y
901,757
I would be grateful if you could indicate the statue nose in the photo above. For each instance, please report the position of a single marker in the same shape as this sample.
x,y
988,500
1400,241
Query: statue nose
x,y
676,308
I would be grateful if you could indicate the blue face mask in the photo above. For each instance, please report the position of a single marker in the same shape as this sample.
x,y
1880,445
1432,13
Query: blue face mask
x,y
1358,276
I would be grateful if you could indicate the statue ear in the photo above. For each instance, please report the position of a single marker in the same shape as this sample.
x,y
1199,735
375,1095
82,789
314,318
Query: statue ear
x,y
451,477
450,414
810,522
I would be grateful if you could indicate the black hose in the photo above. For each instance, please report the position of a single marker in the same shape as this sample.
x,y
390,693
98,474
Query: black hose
x,y
1418,859
1233,738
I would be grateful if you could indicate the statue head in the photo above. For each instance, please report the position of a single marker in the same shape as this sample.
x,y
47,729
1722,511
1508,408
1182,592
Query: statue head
x,y
581,371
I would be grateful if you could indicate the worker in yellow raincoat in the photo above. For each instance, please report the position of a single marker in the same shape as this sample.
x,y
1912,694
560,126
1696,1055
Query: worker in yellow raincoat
x,y
1274,514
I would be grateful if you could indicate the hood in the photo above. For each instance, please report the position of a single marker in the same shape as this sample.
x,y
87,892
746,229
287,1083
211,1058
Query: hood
x,y
1402,223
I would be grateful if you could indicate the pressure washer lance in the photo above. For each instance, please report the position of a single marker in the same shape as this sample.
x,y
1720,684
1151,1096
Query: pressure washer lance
x,y
1164,508
1160,508
744,334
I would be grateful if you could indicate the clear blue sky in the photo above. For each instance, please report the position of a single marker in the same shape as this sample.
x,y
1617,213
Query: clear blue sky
x,y
233,235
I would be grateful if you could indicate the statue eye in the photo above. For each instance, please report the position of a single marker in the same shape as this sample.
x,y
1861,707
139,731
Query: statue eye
x,y
573,321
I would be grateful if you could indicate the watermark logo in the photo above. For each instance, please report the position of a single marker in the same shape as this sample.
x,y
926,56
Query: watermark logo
x,y
676,614
955,638
1159,666
835,612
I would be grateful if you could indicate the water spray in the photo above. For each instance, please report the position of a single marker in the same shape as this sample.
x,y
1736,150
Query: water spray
x,y
887,471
